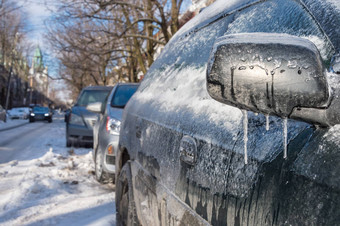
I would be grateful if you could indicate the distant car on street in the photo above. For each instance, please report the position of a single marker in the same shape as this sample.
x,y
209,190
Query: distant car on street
x,y
40,114
18,113
106,129
79,126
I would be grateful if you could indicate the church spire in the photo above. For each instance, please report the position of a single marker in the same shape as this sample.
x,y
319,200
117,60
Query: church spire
x,y
38,63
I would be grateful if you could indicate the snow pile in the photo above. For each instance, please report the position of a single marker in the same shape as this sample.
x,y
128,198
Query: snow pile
x,y
55,189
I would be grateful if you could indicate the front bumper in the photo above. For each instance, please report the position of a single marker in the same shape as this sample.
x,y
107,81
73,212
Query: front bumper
x,y
79,134
109,161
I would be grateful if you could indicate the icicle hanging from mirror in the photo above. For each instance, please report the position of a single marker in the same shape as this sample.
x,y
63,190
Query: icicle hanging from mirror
x,y
245,135
285,137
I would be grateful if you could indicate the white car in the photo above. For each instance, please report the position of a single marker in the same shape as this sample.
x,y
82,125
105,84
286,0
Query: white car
x,y
18,113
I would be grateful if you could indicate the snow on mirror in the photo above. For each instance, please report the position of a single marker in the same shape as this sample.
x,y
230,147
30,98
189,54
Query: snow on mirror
x,y
270,74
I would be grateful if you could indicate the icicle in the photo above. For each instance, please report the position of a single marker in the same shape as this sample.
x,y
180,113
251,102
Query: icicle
x,y
245,135
267,122
285,137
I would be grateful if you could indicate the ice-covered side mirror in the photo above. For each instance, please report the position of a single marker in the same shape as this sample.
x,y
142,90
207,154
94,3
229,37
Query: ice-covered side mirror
x,y
274,74
95,107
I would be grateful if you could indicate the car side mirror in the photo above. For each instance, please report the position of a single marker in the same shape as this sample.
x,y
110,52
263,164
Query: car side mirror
x,y
266,73
95,107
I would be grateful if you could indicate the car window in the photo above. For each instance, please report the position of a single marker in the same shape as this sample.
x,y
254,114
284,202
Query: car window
x,y
282,16
122,95
326,12
91,96
40,109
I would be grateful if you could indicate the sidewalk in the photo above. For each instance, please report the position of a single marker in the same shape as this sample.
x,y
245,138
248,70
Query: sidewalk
x,y
11,124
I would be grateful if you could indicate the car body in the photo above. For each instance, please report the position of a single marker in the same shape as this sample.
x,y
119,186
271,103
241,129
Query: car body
x,y
19,113
218,132
79,127
106,130
40,114
2,114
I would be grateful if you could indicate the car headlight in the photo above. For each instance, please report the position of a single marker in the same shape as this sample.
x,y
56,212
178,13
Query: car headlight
x,y
32,114
112,126
76,119
47,114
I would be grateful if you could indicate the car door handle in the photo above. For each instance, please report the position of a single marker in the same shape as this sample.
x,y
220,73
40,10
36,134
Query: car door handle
x,y
188,150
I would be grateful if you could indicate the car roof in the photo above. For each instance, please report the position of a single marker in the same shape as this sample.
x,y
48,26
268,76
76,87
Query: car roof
x,y
127,84
325,12
98,88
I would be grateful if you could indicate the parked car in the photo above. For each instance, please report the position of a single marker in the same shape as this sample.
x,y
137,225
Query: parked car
x,y
79,127
2,114
106,129
18,113
40,114
235,123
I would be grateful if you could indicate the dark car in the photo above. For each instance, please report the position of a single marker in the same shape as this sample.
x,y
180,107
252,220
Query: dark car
x,y
79,126
40,114
236,122
106,130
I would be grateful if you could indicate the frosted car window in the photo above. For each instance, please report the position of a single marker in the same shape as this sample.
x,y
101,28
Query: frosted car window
x,y
327,13
193,50
281,16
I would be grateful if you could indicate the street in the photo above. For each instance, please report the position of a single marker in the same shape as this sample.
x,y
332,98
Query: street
x,y
44,183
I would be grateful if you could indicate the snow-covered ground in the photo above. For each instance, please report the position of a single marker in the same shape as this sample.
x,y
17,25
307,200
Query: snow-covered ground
x,y
12,123
52,184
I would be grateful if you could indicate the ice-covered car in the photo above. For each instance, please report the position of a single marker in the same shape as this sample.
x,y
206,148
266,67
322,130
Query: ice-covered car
x,y
79,126
236,122
106,129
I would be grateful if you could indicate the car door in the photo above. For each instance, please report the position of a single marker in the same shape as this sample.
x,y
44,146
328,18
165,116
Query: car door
x,y
190,152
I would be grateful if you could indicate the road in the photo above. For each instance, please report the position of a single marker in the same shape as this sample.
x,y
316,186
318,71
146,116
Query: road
x,y
22,143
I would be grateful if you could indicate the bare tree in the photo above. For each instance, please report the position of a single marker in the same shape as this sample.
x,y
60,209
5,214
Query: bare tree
x,y
99,41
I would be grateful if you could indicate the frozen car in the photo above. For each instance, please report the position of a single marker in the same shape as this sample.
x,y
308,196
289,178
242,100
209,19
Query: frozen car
x,y
79,126
236,122
40,114
106,130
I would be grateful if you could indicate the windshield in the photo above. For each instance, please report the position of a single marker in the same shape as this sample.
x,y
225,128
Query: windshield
x,y
41,109
122,95
91,96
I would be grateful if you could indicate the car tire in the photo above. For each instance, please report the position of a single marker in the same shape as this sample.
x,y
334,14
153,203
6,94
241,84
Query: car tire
x,y
31,120
101,176
125,206
50,120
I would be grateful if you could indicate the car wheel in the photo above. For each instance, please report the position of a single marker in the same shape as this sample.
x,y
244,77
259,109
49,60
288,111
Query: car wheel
x,y
101,176
31,120
50,120
125,205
